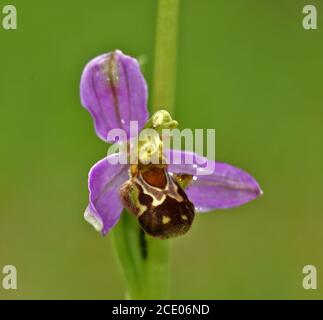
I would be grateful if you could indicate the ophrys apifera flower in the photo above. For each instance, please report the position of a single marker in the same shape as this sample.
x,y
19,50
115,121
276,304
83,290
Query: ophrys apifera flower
x,y
163,196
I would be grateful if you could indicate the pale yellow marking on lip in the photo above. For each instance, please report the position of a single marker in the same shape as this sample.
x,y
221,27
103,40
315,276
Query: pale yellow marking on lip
x,y
142,209
184,217
166,219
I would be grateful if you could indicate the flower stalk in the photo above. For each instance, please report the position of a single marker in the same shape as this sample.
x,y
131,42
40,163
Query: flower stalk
x,y
165,55
143,259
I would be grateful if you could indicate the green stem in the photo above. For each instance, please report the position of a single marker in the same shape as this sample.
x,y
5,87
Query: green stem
x,y
127,244
143,259
157,266
165,55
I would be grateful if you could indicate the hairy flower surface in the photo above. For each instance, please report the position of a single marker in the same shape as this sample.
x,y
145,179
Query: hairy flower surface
x,y
114,91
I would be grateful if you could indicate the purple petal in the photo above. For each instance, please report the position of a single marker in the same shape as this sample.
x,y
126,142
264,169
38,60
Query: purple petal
x,y
114,91
225,187
105,207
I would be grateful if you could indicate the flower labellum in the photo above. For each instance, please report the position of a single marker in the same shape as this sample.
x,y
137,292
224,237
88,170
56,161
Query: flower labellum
x,y
160,204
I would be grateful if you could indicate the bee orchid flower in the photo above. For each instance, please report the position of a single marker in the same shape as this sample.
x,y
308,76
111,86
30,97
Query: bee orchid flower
x,y
164,197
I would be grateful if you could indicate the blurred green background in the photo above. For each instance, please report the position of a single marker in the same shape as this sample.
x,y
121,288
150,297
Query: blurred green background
x,y
245,67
